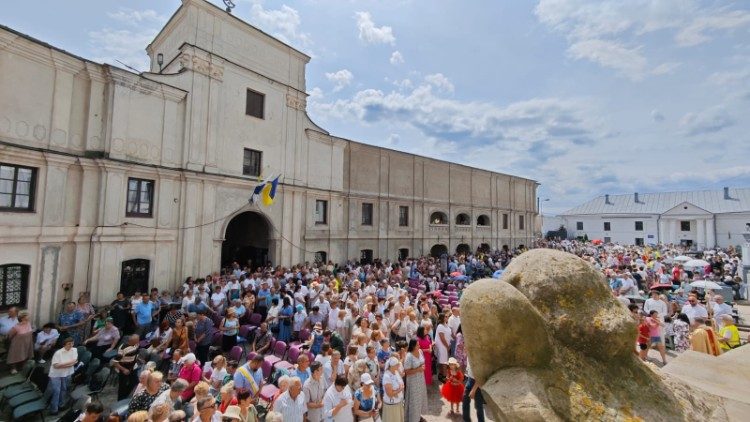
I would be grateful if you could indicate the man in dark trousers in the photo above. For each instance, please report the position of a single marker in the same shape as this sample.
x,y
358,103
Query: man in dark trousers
x,y
472,392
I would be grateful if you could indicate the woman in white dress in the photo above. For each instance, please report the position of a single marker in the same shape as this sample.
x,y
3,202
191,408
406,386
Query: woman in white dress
x,y
443,336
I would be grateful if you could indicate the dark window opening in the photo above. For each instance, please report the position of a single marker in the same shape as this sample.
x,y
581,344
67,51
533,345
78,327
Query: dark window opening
x,y
321,211
685,226
17,187
14,285
251,162
463,220
140,198
254,104
403,216
367,214
607,226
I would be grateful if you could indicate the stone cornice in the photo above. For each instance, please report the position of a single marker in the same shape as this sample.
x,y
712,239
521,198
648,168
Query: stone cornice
x,y
144,86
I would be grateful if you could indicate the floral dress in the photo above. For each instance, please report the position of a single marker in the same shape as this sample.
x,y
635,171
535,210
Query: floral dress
x,y
460,350
681,336
71,318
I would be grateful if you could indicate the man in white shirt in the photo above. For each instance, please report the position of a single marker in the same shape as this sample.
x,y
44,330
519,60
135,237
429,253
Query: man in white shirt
x,y
292,404
454,321
338,402
9,321
61,368
720,308
45,340
693,309
654,303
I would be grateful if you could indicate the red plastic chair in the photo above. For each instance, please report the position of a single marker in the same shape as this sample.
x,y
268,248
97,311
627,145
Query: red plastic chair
x,y
293,353
279,349
268,392
282,364
236,353
256,319
267,365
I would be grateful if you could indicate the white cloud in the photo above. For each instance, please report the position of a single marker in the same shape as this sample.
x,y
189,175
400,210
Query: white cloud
x,y
371,34
438,80
706,122
657,116
393,139
137,17
697,31
315,94
127,45
665,68
340,79
626,61
283,23
396,58
608,32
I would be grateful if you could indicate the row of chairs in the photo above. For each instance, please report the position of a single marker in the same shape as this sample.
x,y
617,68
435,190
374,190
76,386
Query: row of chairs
x,y
25,398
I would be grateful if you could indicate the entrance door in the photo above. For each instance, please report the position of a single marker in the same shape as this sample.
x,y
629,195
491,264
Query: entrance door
x,y
246,241
134,276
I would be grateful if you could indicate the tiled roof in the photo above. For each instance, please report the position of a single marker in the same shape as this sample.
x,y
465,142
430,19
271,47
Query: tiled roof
x,y
712,201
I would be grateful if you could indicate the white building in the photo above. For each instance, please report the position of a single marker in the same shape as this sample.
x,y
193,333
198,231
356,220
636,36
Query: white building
x,y
112,180
704,219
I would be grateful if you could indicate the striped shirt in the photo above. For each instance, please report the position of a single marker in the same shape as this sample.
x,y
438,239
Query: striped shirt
x,y
292,410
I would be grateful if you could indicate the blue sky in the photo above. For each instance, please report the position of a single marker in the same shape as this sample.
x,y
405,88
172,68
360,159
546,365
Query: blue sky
x,y
586,96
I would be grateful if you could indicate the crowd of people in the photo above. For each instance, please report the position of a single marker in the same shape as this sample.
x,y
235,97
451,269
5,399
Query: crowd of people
x,y
328,342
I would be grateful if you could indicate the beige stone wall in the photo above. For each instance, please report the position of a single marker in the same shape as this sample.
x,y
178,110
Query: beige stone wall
x,y
87,128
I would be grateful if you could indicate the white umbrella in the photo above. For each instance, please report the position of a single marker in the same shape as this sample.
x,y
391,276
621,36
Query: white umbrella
x,y
705,284
682,258
695,263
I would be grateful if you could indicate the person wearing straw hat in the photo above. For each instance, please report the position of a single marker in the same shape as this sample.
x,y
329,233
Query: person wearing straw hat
x,y
393,392
231,414
453,389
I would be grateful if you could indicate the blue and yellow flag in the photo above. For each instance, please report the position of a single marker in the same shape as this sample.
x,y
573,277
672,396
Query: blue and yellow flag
x,y
265,192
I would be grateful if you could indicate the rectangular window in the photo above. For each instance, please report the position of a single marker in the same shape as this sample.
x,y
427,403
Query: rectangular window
x,y
579,225
14,284
520,222
639,226
403,216
321,212
685,226
367,214
607,226
17,186
639,241
140,198
505,221
607,240
251,162
254,104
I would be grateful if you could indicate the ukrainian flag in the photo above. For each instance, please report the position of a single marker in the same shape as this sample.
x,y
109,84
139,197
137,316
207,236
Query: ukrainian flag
x,y
265,192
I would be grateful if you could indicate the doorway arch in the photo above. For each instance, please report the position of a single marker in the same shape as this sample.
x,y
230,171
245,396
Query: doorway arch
x,y
246,240
438,250
463,249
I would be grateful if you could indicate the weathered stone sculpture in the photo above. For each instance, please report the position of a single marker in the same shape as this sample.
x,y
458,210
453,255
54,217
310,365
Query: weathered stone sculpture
x,y
550,343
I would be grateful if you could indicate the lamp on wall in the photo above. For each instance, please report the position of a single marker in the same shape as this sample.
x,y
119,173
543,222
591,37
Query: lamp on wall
x,y
160,60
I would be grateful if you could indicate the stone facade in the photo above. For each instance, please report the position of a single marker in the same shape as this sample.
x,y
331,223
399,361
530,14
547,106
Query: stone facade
x,y
87,129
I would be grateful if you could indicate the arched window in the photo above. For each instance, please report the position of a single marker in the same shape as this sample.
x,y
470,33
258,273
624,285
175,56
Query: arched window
x,y
438,217
483,220
463,249
14,285
463,219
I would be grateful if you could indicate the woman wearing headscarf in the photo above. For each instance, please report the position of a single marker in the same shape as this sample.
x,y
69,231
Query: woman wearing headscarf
x,y
393,392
